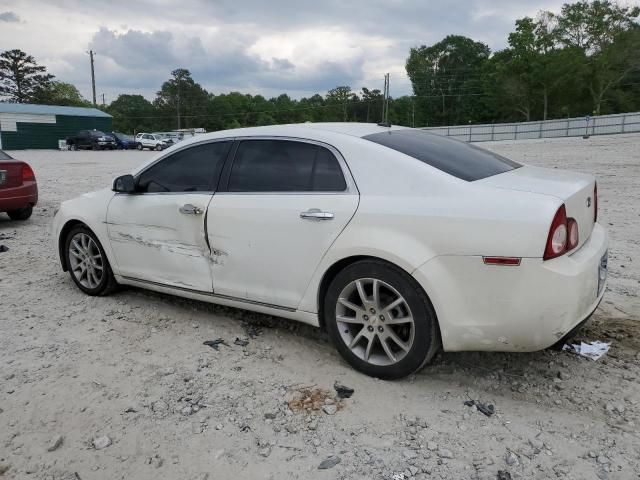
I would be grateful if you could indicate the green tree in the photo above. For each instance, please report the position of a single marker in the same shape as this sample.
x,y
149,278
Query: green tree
x,y
341,97
60,93
447,77
21,77
181,102
607,34
133,114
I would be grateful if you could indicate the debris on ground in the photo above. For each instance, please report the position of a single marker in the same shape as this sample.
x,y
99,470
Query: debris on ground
x,y
4,248
241,342
311,399
55,443
504,475
215,343
4,468
342,391
592,350
101,442
329,462
487,409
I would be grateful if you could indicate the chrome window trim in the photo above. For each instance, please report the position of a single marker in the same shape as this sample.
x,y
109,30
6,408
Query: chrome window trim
x,y
352,188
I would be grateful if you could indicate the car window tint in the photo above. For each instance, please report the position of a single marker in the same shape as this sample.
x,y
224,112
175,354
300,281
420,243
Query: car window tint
x,y
327,174
454,157
284,166
194,169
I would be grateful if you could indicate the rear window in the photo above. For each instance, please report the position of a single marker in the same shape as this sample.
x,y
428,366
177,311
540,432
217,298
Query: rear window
x,y
454,157
4,156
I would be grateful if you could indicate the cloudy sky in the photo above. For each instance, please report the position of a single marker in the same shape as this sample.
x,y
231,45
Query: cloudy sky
x,y
256,46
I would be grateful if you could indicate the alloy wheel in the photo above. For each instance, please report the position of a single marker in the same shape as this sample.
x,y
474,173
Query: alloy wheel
x,y
86,260
375,321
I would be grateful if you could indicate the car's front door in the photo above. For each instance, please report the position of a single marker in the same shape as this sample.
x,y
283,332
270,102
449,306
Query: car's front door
x,y
284,203
158,233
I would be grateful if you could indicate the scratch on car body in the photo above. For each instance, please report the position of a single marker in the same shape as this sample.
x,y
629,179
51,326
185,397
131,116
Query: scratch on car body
x,y
161,227
168,245
217,256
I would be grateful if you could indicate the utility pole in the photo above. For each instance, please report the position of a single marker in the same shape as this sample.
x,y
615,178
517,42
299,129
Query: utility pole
x,y
413,112
103,99
93,77
178,102
385,102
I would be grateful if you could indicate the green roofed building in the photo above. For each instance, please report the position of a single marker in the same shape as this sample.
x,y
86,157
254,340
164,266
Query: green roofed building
x,y
41,126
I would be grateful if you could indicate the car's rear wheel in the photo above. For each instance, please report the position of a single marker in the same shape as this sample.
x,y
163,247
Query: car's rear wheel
x,y
21,213
87,263
380,320
158,147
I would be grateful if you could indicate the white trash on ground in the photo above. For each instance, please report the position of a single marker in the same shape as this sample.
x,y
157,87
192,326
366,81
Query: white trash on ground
x,y
592,350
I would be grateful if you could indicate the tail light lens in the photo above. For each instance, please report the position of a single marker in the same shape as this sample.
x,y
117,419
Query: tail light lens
x,y
595,202
27,174
563,235
572,240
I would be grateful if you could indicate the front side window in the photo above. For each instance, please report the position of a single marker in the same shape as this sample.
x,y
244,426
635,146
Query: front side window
x,y
285,166
194,169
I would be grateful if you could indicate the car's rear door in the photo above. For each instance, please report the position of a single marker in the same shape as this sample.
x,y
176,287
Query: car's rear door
x,y
282,203
158,234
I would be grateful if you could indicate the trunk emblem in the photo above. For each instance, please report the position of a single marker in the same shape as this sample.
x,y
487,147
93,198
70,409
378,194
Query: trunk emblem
x,y
588,201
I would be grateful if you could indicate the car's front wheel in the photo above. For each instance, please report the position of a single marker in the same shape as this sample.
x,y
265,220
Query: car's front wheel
x,y
87,263
380,320
139,147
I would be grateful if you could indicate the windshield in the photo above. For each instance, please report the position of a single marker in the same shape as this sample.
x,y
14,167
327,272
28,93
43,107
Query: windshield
x,y
97,133
454,157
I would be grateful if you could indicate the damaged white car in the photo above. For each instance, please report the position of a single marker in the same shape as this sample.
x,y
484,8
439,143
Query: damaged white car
x,y
397,241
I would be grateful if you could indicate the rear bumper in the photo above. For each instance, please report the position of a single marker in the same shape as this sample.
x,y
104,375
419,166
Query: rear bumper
x,y
522,308
18,197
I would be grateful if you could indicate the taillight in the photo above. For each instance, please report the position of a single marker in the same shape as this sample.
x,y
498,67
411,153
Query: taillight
x,y
563,235
572,236
595,202
27,174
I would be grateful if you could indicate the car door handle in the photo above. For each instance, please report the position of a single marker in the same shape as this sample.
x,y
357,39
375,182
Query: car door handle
x,y
316,214
189,209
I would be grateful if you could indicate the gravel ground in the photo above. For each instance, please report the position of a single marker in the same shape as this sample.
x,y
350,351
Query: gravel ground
x,y
123,387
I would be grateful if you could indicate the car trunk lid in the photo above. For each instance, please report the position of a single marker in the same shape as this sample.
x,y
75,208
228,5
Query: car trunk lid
x,y
10,173
576,190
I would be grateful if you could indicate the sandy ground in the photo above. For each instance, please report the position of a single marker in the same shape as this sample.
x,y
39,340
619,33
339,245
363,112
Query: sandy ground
x,y
132,367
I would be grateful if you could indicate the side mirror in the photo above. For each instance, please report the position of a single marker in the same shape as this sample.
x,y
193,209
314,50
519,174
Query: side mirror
x,y
124,184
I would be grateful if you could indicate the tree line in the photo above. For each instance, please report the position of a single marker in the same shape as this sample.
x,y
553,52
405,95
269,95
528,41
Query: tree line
x,y
583,60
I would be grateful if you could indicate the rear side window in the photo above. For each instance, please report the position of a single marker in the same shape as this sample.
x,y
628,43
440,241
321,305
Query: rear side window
x,y
194,169
285,166
454,157
4,156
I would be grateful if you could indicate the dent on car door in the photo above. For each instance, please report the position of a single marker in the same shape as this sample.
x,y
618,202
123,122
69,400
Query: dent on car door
x,y
158,233
285,204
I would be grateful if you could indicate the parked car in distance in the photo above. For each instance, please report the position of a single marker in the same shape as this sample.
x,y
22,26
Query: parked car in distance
x,y
91,140
397,241
167,137
18,188
151,141
124,142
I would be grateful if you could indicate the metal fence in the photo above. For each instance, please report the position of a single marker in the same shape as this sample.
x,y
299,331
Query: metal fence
x,y
567,127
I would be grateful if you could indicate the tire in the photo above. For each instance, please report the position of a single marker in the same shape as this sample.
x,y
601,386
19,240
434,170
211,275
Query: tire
x,y
80,240
21,213
140,147
158,148
372,323
73,147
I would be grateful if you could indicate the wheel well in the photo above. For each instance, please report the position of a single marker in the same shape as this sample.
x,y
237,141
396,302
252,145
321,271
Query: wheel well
x,y
331,273
61,240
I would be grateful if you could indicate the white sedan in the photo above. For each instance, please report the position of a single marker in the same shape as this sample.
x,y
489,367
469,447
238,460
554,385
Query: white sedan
x,y
397,241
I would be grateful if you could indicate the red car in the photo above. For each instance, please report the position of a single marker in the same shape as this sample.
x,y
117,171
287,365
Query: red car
x,y
18,188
